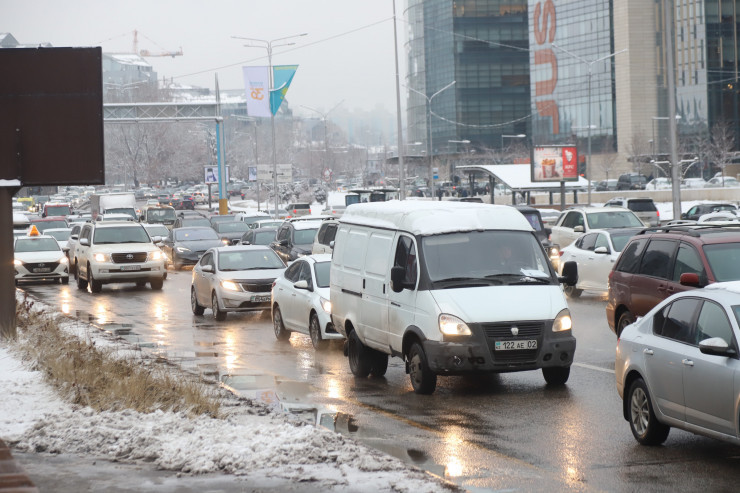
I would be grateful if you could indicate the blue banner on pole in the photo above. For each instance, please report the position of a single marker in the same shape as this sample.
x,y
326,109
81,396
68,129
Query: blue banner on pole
x,y
282,76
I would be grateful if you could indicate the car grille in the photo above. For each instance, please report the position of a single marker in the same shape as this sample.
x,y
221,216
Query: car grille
x,y
128,258
41,265
502,332
257,285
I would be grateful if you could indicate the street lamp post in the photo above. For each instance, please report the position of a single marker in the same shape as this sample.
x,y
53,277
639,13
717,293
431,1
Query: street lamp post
x,y
429,128
268,45
590,73
323,117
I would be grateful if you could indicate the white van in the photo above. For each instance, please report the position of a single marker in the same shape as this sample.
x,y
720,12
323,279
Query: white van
x,y
450,287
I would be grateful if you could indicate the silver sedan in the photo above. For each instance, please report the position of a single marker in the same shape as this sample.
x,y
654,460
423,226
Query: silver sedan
x,y
678,366
234,279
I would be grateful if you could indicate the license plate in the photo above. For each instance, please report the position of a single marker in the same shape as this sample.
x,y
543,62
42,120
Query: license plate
x,y
130,267
260,299
42,269
515,345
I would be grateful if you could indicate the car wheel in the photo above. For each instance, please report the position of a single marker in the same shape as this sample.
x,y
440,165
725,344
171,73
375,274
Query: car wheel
x,y
197,308
423,380
556,375
314,330
156,284
572,292
644,425
64,280
218,314
81,283
624,320
281,334
380,364
95,286
360,362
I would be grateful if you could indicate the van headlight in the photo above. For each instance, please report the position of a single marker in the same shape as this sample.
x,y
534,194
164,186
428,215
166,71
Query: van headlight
x,y
452,326
562,321
326,305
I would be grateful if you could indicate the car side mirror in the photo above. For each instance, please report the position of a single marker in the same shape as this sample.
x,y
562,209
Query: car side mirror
x,y
157,239
283,243
689,279
246,242
85,242
207,268
578,229
331,244
302,284
685,215
716,346
74,237
397,276
602,250
570,274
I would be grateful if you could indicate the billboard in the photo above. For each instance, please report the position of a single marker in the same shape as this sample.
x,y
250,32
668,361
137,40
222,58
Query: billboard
x,y
211,174
554,163
284,172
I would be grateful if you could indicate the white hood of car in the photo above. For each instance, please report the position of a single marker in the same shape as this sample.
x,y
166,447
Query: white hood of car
x,y
46,256
501,303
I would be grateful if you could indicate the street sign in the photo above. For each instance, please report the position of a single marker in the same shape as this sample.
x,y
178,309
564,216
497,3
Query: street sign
x,y
284,172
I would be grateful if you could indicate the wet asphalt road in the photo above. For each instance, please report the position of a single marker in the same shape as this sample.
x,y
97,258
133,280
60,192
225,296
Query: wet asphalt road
x,y
485,433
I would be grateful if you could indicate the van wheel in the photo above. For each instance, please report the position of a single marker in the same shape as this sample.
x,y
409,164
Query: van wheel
x,y
380,364
624,320
644,425
556,375
314,330
572,292
359,356
423,380
281,334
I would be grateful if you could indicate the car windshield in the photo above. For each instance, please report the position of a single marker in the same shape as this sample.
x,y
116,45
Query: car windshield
x,y
232,227
613,219
195,234
220,219
489,257
264,237
724,260
304,236
44,225
249,260
322,274
36,245
534,220
61,234
121,235
160,215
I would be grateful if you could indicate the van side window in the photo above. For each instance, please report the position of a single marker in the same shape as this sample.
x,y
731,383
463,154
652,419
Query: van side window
x,y
406,258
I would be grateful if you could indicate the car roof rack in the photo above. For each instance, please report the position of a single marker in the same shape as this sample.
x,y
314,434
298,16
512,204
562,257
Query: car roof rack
x,y
689,229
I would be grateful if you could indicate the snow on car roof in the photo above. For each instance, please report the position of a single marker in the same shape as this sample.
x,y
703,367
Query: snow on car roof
x,y
435,217
730,286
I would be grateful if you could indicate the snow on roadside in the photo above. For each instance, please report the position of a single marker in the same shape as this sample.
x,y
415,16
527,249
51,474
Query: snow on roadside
x,y
245,443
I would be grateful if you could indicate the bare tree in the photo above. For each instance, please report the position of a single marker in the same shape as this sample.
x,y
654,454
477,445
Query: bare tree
x,y
721,146
641,155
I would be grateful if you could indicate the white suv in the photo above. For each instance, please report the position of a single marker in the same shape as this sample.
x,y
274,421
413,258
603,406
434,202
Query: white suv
x,y
575,221
109,252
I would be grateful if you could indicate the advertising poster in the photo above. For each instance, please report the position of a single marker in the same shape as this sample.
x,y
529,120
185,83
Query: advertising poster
x,y
252,172
554,163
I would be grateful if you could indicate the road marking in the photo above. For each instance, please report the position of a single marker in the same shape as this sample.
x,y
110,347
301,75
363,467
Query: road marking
x,y
592,367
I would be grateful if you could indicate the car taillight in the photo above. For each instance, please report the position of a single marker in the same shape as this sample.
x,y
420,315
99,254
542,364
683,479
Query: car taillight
x,y
658,213
611,273
273,284
560,253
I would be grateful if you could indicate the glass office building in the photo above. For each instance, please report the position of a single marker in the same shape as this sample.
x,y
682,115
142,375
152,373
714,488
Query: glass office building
x,y
482,45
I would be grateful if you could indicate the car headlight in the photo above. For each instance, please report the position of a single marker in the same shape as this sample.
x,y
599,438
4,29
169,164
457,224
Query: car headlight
x,y
326,305
554,251
562,321
102,257
63,260
452,326
230,286
225,241
182,249
17,262
155,255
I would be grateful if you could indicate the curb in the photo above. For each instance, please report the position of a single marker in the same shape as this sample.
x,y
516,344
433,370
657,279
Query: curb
x,y
13,478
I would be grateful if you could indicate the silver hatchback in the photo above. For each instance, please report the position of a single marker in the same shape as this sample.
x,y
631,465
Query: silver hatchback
x,y
678,366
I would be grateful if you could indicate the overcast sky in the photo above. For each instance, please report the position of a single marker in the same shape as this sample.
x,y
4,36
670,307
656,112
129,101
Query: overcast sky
x,y
347,53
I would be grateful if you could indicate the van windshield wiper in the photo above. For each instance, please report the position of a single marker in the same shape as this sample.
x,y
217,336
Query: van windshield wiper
x,y
467,281
521,278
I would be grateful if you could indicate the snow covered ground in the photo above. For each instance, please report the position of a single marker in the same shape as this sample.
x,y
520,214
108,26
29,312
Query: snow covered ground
x,y
252,442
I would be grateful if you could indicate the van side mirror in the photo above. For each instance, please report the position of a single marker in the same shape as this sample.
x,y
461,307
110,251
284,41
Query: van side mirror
x,y
570,274
397,276
84,242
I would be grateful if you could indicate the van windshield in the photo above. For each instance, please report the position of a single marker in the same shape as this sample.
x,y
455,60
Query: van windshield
x,y
485,258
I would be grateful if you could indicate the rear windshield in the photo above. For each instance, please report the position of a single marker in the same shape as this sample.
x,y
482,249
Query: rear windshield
x,y
195,234
613,219
264,237
44,225
641,205
300,206
60,235
232,227
58,210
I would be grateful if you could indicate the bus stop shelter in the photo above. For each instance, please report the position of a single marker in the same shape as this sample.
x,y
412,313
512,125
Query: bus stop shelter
x,y
518,178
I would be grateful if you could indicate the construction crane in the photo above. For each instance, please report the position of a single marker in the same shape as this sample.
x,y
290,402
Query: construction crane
x,y
148,53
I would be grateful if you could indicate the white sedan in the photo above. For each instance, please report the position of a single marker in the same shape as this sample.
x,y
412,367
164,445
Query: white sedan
x,y
300,301
595,253
39,258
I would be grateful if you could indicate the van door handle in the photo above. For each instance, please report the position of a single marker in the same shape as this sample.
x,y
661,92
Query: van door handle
x,y
395,304
648,352
383,288
363,284
687,362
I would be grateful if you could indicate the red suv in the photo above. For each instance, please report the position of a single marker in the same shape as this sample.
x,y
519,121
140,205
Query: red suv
x,y
659,262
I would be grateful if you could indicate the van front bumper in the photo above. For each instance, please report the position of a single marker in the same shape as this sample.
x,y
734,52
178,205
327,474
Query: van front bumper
x,y
478,353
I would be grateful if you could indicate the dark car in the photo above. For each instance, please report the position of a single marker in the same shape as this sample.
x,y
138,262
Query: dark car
x,y
259,236
185,204
295,238
230,231
632,181
659,262
699,210
185,246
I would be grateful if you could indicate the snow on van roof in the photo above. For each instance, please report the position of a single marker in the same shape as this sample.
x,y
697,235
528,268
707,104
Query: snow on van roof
x,y
435,217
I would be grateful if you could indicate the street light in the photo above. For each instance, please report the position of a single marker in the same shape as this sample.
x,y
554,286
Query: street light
x,y
323,117
429,127
590,73
268,45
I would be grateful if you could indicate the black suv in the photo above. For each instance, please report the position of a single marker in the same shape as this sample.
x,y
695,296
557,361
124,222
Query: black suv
x,y
632,181
295,237
659,262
